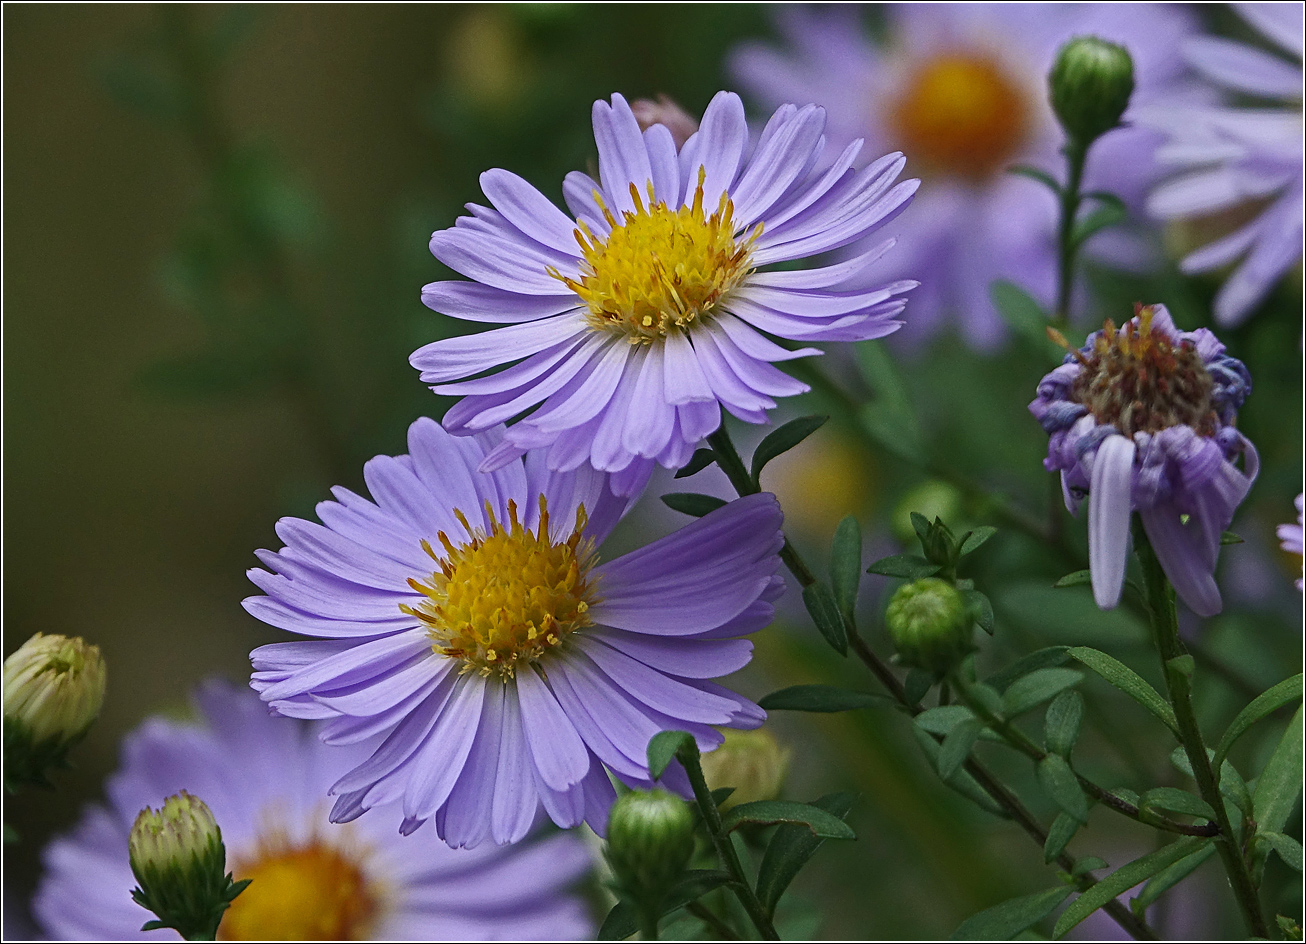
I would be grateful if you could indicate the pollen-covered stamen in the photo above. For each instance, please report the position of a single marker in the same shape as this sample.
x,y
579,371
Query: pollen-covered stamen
x,y
660,268
505,598
1137,380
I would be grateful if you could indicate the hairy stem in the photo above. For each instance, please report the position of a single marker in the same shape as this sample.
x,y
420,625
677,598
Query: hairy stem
x,y
1076,155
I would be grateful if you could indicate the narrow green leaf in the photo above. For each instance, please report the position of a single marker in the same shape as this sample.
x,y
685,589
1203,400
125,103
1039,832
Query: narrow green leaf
x,y
1023,315
879,370
692,503
825,614
791,848
961,781
663,746
846,565
1169,877
767,812
1123,879
1061,724
921,525
956,746
1088,864
892,426
1003,922
981,610
1060,784
1063,829
1264,704
1040,659
1174,800
1038,686
1228,537
1289,849
700,460
780,441
1076,579
1280,782
822,698
988,698
721,794
1128,681
623,920
1232,785
917,683
908,566
943,719
972,540
1033,173
1108,214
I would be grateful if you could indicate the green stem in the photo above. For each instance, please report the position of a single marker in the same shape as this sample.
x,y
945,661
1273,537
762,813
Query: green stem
x,y
648,922
724,847
1165,627
703,913
1076,155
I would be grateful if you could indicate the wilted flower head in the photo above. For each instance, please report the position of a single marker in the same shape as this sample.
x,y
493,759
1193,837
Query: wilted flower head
x,y
1141,419
1291,536
1232,157
641,313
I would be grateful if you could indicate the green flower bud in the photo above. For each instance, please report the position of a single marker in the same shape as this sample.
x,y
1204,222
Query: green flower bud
x,y
1090,85
929,624
650,840
53,690
179,860
753,762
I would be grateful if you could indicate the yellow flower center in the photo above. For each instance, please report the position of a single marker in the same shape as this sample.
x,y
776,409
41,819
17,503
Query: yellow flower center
x,y
961,115
659,268
313,892
504,599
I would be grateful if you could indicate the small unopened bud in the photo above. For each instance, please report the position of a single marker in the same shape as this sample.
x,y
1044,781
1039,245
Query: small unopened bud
x,y
753,762
665,112
650,840
53,690
180,864
930,624
1090,85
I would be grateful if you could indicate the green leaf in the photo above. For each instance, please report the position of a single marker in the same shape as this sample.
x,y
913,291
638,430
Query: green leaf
x,y
1063,829
961,781
767,812
623,920
1175,800
981,610
1289,849
1264,704
700,460
1123,879
1088,864
662,747
988,698
972,540
790,849
1280,782
822,698
1169,877
1231,782
692,503
1060,783
825,614
1076,579
781,440
1040,659
1128,681
1023,315
1003,922
893,427
1111,210
908,566
956,746
846,565
1228,537
943,719
1061,724
1038,686
917,683
1033,173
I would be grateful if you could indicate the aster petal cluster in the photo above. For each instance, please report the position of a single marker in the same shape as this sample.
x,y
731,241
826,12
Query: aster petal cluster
x,y
469,619
1290,536
1142,419
263,778
1229,157
961,89
639,313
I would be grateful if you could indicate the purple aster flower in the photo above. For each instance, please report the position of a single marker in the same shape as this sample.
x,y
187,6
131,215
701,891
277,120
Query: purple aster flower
x,y
638,312
1141,419
264,780
961,89
1291,536
468,617
1234,156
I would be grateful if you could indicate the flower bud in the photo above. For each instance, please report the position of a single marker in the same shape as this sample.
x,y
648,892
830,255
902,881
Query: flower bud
x,y
179,860
666,112
929,624
753,762
53,690
1090,85
650,840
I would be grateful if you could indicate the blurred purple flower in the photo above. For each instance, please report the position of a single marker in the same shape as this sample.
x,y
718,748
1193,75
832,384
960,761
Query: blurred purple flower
x,y
961,89
467,616
1235,156
643,310
1291,536
264,777
1141,419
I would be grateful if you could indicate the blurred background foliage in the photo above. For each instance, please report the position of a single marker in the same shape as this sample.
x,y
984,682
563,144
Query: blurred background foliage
x,y
217,221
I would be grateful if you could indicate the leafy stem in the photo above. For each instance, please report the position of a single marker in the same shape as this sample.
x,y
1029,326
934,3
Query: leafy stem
x,y
1076,155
